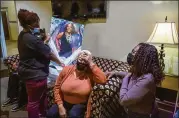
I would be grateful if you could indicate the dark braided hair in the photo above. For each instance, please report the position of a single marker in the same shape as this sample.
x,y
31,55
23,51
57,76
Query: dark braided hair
x,y
146,61
27,18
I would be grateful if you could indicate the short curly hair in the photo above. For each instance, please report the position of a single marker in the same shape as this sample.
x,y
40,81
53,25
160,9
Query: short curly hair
x,y
27,18
146,61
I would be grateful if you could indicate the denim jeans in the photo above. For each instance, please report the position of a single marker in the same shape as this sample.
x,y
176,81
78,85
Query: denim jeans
x,y
37,98
73,110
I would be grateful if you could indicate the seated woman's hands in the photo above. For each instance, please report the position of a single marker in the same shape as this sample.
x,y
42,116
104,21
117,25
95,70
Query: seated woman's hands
x,y
62,111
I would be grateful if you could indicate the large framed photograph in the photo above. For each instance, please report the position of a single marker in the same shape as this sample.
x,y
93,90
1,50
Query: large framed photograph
x,y
66,39
81,11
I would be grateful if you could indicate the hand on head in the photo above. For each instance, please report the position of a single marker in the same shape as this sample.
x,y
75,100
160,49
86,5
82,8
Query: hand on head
x,y
85,56
84,60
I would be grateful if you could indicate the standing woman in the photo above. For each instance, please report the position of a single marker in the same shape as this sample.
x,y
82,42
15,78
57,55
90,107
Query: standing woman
x,y
34,62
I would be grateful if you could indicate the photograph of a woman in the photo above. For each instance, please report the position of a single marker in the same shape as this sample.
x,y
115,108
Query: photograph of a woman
x,y
67,39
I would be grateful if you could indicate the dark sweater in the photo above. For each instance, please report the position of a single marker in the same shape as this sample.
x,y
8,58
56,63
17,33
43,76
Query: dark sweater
x,y
34,57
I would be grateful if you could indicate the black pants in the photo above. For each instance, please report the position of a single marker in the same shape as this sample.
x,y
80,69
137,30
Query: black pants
x,y
16,89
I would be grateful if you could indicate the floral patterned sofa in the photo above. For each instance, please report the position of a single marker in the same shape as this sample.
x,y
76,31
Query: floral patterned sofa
x,y
105,98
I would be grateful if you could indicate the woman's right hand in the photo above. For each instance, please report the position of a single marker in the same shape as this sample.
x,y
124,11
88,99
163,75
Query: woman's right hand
x,y
62,111
110,74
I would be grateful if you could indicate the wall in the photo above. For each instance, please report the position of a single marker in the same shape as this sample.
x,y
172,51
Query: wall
x,y
128,23
12,17
42,8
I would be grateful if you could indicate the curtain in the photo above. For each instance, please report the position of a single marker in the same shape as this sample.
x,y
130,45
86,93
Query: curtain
x,y
3,43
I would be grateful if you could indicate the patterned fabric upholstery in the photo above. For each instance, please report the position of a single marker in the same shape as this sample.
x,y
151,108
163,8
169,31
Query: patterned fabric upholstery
x,y
105,98
50,95
10,60
107,64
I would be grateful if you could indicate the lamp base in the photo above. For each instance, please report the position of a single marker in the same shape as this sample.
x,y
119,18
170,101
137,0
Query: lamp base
x,y
161,57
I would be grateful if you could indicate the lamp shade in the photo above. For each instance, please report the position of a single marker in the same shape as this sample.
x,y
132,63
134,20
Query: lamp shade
x,y
164,33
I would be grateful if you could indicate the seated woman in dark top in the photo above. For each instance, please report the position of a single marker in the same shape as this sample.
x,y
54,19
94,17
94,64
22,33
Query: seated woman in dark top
x,y
137,93
34,62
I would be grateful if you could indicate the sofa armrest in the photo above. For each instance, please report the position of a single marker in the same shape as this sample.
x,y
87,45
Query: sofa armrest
x,y
10,60
105,99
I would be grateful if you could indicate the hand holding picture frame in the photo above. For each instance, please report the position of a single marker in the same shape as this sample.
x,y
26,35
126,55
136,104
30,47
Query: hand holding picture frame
x,y
65,40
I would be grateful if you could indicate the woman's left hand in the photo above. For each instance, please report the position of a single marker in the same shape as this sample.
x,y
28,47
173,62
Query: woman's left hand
x,y
47,39
62,64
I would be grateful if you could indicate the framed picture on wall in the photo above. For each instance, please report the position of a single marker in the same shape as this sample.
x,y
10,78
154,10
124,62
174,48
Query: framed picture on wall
x,y
81,11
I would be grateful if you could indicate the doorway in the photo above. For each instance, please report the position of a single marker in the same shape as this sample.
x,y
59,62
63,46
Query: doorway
x,y
5,22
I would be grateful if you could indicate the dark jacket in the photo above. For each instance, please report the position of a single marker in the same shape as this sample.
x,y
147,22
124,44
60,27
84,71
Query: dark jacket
x,y
34,57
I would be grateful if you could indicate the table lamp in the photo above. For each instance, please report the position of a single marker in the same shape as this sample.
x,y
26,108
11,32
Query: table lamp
x,y
163,33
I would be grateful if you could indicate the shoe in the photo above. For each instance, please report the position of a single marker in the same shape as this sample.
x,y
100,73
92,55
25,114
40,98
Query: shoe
x,y
9,102
17,107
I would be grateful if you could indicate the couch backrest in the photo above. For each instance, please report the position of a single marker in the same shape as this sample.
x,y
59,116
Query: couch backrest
x,y
110,64
103,63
